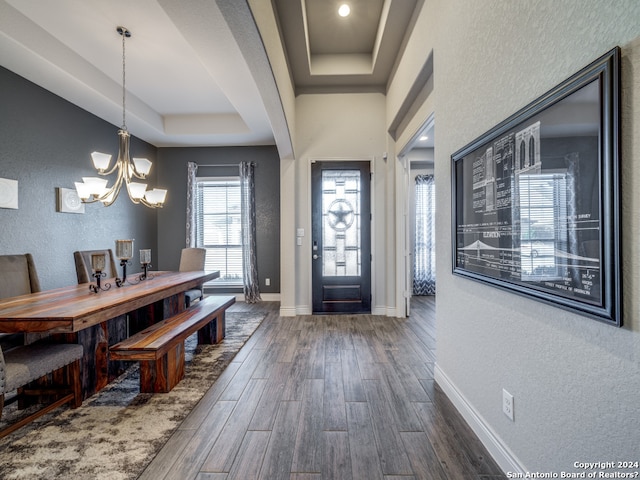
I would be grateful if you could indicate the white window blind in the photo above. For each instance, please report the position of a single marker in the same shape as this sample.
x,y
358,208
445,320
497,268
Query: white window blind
x,y
219,227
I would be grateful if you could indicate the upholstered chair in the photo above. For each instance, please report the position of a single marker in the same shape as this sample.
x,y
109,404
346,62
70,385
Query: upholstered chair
x,y
83,265
18,276
22,365
192,259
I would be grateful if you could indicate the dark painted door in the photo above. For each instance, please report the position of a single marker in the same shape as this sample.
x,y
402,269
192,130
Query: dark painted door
x,y
341,248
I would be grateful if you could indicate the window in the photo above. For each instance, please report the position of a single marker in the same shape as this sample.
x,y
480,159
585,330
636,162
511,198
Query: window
x,y
218,227
424,268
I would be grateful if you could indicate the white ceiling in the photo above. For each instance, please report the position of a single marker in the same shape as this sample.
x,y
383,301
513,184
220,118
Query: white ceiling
x,y
187,81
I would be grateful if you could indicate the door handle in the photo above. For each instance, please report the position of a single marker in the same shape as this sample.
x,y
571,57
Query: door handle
x,y
316,256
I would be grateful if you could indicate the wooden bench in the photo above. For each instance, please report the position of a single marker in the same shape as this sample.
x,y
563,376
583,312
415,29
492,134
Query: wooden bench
x,y
160,347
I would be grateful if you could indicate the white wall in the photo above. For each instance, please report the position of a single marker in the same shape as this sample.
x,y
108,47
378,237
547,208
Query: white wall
x,y
575,380
345,127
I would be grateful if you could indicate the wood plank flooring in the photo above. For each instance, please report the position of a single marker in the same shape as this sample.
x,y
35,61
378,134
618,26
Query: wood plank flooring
x,y
348,397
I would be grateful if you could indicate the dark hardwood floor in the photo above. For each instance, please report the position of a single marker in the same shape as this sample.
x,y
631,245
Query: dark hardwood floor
x,y
328,397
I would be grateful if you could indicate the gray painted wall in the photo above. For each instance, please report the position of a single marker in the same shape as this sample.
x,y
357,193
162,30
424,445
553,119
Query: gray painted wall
x,y
172,218
46,143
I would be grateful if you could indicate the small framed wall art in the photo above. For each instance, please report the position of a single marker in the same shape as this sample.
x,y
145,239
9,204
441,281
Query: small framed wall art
x,y
68,201
8,193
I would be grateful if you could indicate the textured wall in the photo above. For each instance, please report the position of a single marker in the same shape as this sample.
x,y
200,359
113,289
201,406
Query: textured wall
x,y
575,380
46,143
172,218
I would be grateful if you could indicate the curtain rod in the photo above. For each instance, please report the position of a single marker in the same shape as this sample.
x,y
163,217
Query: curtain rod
x,y
223,165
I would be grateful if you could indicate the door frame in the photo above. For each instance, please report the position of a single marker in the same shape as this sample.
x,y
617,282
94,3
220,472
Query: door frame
x,y
403,197
309,226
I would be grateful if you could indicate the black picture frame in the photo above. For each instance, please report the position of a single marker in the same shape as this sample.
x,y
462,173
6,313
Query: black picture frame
x,y
536,199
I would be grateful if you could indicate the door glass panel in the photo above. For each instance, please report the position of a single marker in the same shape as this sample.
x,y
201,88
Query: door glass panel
x,y
341,248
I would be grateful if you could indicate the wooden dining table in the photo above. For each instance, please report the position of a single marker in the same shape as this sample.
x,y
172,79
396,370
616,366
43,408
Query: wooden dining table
x,y
75,314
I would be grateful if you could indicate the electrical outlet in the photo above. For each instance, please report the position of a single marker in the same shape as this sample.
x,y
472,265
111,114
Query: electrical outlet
x,y
267,281
507,404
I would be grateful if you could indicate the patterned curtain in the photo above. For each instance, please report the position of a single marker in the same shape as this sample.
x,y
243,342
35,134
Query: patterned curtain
x,y
248,213
424,268
192,199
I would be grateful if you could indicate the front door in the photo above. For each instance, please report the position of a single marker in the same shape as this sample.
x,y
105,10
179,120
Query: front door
x,y
341,228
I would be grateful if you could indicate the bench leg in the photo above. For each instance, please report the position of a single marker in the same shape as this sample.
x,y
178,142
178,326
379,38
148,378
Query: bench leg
x,y
220,330
208,335
161,375
213,332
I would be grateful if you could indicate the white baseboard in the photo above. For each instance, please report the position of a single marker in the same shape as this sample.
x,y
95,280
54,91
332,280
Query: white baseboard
x,y
492,442
292,311
287,311
308,310
266,297
270,297
383,310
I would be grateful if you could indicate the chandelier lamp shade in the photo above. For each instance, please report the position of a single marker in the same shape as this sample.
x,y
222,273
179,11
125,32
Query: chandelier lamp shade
x,y
127,169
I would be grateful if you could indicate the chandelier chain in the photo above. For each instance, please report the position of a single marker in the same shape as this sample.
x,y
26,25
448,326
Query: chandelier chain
x,y
124,123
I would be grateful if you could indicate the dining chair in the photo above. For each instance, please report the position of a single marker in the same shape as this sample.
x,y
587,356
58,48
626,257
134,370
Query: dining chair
x,y
83,265
192,259
19,366
18,276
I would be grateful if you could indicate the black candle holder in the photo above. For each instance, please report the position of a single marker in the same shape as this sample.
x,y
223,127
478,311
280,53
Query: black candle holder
x,y
97,287
121,281
145,275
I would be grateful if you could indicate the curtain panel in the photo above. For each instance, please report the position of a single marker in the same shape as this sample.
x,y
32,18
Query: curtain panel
x,y
248,211
192,200
424,268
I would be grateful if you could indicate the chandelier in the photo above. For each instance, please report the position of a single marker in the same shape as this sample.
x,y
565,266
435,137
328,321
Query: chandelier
x,y
94,189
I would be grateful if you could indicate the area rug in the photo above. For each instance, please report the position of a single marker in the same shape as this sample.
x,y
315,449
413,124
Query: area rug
x,y
116,433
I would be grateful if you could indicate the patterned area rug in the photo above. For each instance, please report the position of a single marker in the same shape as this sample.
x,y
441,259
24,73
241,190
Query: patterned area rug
x,y
116,433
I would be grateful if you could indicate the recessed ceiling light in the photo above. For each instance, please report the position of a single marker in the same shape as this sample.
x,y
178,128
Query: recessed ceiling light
x,y
424,138
344,10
